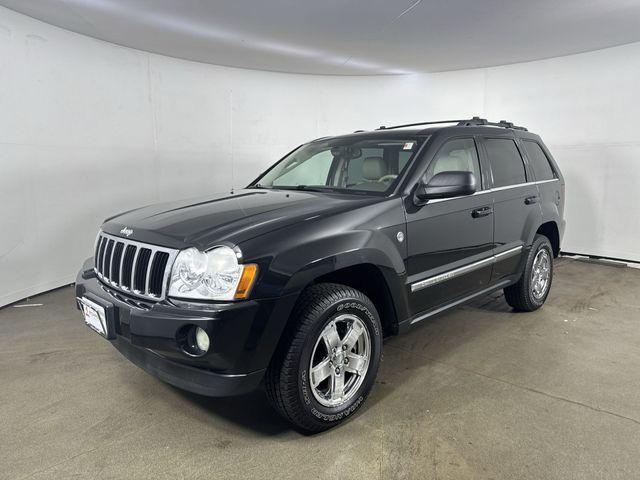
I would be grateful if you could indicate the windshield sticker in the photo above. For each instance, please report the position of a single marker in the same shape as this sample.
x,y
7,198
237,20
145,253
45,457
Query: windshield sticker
x,y
408,146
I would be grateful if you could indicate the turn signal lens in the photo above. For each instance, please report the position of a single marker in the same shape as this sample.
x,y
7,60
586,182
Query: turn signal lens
x,y
249,274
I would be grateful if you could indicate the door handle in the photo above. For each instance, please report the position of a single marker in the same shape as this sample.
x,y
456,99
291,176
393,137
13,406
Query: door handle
x,y
531,200
481,212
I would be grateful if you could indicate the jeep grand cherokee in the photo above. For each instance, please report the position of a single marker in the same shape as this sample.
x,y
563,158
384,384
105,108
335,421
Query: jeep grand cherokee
x,y
295,280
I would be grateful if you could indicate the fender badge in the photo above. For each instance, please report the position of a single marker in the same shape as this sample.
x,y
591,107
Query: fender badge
x,y
400,237
126,231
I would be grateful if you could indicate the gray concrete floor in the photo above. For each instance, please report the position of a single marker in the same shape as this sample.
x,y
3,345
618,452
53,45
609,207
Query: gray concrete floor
x,y
480,392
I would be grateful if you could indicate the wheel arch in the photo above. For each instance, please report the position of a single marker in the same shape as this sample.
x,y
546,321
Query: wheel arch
x,y
370,271
551,231
368,279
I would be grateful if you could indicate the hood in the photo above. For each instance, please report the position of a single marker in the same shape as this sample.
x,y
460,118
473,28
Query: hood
x,y
232,218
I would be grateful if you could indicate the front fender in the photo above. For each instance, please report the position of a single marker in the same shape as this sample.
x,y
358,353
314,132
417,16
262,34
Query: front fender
x,y
290,259
334,253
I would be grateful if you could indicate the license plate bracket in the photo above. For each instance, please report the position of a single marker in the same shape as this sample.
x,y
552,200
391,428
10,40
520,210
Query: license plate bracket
x,y
98,315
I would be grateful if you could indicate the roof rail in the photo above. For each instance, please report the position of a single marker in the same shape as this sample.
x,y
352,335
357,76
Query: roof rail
x,y
419,123
475,121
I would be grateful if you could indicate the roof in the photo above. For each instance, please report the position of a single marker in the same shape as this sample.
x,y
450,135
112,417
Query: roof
x,y
412,130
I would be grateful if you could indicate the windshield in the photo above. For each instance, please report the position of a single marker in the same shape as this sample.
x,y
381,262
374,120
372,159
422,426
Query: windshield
x,y
350,165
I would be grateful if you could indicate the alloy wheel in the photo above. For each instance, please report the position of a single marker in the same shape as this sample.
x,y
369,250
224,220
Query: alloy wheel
x,y
340,360
540,274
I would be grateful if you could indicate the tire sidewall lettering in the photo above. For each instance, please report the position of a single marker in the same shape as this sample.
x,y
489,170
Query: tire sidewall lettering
x,y
361,310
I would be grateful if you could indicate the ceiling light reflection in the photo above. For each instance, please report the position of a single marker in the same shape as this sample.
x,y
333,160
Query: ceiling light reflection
x,y
184,26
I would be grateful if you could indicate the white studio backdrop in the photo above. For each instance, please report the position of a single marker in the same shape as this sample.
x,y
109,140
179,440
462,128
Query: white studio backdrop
x,y
88,129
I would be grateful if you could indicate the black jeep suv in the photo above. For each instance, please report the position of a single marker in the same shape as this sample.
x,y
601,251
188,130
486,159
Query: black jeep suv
x,y
296,279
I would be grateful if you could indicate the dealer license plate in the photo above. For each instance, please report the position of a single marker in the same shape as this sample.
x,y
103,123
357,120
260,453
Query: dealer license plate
x,y
94,316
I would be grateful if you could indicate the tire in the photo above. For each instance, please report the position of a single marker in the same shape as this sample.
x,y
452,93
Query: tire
x,y
321,311
527,295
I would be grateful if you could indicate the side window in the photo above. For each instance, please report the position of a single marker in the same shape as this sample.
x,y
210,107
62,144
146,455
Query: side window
x,y
506,163
459,155
539,161
313,171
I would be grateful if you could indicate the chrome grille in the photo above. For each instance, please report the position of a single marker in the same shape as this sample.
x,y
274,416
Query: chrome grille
x,y
136,268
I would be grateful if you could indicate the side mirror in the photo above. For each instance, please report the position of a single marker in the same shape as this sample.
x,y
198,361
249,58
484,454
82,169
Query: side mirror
x,y
446,185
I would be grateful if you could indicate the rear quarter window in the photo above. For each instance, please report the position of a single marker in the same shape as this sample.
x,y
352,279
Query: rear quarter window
x,y
539,162
506,163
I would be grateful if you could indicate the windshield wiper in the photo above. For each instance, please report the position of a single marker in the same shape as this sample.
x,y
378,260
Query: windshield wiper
x,y
316,188
306,188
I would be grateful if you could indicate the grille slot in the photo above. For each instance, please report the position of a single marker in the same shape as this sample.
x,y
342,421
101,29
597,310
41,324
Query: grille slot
x,y
127,267
106,269
140,276
103,244
116,259
157,272
133,267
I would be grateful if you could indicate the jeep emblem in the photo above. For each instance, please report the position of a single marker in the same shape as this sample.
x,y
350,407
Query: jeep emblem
x,y
126,231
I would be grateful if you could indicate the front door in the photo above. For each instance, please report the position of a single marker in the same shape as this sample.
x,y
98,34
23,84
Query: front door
x,y
450,241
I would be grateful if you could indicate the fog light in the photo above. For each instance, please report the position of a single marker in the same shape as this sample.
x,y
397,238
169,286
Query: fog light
x,y
193,340
202,339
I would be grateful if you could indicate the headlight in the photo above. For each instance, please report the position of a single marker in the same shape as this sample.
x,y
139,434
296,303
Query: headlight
x,y
212,275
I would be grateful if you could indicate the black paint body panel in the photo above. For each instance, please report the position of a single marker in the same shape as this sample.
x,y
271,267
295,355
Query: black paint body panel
x,y
296,237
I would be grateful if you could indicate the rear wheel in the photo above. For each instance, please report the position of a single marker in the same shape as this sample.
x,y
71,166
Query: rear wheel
x,y
326,365
532,289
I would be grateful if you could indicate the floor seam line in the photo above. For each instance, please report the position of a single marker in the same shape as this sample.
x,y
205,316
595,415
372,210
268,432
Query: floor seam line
x,y
522,387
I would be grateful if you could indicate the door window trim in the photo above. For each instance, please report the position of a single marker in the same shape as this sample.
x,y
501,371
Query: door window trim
x,y
491,190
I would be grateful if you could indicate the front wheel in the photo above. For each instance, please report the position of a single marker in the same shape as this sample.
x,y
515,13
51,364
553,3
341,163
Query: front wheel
x,y
532,289
327,363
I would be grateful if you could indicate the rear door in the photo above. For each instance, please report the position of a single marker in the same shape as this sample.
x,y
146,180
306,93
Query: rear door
x,y
516,203
450,241
550,187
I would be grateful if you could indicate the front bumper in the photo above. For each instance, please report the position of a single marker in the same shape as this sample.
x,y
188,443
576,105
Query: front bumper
x,y
243,336
185,377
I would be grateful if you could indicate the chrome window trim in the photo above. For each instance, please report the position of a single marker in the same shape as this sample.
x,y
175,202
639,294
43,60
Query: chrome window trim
x,y
509,187
456,272
496,189
438,200
172,252
547,181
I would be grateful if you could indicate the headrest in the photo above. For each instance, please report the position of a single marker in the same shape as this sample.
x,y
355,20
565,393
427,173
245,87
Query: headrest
x,y
456,160
373,168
